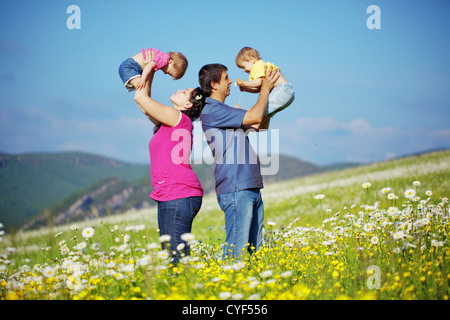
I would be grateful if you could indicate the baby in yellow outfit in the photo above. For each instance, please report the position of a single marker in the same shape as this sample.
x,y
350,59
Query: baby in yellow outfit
x,y
281,95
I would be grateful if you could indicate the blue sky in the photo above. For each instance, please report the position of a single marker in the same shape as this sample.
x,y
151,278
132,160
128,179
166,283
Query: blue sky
x,y
361,95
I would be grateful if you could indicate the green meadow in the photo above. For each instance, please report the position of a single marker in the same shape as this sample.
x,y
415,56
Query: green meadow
x,y
378,231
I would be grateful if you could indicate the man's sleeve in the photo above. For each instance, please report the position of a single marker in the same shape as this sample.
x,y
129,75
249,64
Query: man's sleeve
x,y
224,117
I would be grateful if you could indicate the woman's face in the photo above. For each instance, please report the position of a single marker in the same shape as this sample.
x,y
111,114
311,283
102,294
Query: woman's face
x,y
181,99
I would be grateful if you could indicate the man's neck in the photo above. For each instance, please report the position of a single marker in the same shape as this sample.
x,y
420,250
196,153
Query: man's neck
x,y
218,97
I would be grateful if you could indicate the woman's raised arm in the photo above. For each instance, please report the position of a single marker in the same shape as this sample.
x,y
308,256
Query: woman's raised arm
x,y
155,111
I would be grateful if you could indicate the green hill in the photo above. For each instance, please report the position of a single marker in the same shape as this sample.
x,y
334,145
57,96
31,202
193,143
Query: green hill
x,y
31,182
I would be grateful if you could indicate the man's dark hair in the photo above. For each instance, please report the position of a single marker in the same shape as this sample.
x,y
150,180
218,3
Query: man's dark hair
x,y
210,73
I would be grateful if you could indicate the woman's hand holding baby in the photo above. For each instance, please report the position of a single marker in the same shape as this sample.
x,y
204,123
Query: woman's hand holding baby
x,y
149,65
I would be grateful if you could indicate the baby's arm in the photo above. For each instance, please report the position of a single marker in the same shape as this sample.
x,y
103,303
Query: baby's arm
x,y
149,65
250,86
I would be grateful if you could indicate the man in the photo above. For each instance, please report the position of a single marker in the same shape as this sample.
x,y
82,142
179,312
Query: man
x,y
237,173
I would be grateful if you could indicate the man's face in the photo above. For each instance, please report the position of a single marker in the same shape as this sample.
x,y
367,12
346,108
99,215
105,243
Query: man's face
x,y
224,86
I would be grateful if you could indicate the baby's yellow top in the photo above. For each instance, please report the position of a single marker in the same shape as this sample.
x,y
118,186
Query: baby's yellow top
x,y
258,69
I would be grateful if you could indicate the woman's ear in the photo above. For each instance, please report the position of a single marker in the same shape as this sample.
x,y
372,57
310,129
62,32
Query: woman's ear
x,y
188,105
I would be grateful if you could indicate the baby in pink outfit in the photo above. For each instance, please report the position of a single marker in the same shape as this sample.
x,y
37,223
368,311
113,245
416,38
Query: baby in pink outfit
x,y
134,71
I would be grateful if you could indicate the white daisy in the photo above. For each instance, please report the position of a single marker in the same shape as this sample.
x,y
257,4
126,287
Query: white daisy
x,y
392,196
398,235
88,232
49,272
374,240
366,185
224,295
188,237
435,243
165,238
81,246
410,193
163,255
400,225
152,246
237,296
368,227
110,272
392,210
238,266
385,190
266,274
286,274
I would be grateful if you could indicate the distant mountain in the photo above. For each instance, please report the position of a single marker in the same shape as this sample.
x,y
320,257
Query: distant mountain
x,y
105,197
29,183
72,186
341,166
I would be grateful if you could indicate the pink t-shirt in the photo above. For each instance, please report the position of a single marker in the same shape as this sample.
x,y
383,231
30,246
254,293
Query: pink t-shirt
x,y
171,173
161,58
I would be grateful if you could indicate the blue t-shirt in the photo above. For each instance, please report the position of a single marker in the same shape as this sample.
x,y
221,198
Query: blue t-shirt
x,y
237,164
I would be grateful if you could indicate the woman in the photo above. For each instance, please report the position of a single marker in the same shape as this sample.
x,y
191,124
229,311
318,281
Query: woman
x,y
177,188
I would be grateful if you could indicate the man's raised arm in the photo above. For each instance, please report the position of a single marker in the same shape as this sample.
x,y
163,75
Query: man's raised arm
x,y
255,114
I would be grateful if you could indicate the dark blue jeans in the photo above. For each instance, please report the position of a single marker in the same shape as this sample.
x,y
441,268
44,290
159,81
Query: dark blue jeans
x,y
244,217
175,218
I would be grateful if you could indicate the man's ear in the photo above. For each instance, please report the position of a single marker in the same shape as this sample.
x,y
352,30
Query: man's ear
x,y
214,85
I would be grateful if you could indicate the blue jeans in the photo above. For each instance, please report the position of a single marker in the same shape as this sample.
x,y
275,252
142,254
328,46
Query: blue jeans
x,y
175,218
128,70
244,217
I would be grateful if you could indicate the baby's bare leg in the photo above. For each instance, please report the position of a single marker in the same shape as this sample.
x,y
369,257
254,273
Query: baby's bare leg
x,y
134,82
